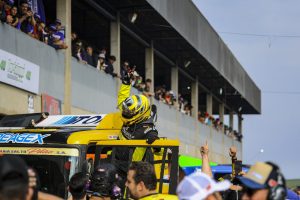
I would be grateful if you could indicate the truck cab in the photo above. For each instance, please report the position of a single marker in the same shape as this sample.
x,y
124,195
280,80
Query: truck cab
x,y
57,146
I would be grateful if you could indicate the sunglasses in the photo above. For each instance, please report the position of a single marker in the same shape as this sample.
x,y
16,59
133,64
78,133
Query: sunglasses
x,y
97,194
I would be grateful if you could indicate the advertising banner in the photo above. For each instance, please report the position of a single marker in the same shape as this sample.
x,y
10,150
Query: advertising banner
x,y
51,105
18,72
71,120
39,151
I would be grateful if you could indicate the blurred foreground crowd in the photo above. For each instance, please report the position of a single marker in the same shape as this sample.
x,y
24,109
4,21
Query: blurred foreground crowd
x,y
263,181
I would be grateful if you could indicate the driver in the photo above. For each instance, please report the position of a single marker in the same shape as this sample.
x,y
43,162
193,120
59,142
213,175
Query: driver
x,y
138,117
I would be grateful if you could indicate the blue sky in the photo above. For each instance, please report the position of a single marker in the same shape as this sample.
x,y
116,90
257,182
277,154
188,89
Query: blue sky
x,y
274,64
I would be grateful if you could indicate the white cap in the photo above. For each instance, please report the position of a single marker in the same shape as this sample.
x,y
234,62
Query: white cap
x,y
198,186
102,55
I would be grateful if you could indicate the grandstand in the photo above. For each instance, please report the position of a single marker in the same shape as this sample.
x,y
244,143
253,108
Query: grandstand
x,y
169,42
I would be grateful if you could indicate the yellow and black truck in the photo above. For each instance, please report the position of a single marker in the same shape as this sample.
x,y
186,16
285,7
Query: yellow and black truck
x,y
57,146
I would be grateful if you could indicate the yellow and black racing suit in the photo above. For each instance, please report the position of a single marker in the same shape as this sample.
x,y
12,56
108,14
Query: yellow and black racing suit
x,y
144,130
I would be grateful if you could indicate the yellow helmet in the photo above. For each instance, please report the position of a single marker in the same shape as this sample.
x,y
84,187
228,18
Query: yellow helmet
x,y
135,109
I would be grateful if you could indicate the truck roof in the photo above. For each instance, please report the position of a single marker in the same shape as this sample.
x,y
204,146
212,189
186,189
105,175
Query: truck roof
x,y
64,129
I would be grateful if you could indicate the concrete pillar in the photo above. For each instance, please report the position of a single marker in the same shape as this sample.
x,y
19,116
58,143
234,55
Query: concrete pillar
x,y
115,42
195,98
174,80
221,112
231,119
240,124
63,8
149,64
209,103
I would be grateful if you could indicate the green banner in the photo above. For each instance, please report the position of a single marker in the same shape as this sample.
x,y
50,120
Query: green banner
x,y
189,161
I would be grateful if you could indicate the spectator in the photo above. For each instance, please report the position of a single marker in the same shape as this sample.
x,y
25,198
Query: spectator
x,y
79,53
201,117
74,40
77,186
297,190
5,9
125,69
91,59
59,28
205,160
26,18
9,20
138,83
74,37
14,180
101,62
104,51
234,193
56,38
2,11
263,181
199,186
147,91
13,13
168,98
291,195
35,33
141,182
104,183
109,69
42,33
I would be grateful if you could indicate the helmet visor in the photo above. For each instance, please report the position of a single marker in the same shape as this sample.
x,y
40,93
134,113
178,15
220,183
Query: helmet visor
x,y
126,112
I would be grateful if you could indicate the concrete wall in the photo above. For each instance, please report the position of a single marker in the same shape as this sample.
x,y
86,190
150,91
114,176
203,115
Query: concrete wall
x,y
96,92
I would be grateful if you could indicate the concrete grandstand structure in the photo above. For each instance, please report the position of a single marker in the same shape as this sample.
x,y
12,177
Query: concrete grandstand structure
x,y
167,35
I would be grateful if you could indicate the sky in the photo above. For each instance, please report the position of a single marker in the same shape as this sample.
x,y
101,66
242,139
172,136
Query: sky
x,y
273,61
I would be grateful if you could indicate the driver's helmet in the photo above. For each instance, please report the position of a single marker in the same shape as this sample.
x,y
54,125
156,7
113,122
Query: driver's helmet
x,y
135,109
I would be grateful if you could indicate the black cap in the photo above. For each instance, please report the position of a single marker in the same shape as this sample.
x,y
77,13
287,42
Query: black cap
x,y
13,170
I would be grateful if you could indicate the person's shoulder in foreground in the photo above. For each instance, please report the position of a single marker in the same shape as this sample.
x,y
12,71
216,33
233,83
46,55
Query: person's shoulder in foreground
x,y
160,197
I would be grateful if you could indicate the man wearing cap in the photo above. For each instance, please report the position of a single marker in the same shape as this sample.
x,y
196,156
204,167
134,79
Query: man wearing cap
x,y
263,181
59,28
199,186
101,62
56,38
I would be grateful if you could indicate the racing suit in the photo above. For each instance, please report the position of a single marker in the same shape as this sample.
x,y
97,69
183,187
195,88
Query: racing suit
x,y
144,130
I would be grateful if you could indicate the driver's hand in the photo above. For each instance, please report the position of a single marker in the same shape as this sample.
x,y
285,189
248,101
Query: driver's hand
x,y
151,138
126,79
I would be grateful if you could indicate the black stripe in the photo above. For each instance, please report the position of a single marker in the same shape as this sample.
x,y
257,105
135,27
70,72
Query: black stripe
x,y
139,102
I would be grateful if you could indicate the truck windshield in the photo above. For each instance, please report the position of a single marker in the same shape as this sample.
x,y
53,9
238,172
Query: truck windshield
x,y
54,166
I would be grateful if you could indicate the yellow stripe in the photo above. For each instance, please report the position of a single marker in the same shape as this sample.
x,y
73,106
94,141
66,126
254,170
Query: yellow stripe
x,y
161,142
86,137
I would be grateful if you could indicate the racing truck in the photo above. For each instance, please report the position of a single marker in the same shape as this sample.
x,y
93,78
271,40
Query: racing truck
x,y
58,146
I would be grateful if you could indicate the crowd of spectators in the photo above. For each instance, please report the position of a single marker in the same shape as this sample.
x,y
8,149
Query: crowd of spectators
x,y
23,18
168,97
207,119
